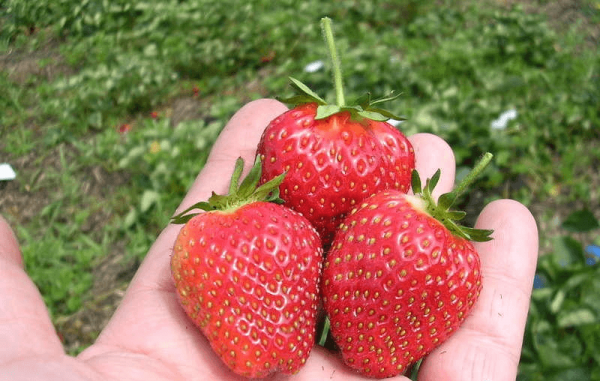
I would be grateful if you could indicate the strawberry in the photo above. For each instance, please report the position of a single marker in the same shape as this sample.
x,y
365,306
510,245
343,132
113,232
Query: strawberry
x,y
334,156
247,274
401,276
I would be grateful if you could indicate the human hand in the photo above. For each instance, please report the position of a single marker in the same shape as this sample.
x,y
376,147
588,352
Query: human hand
x,y
150,338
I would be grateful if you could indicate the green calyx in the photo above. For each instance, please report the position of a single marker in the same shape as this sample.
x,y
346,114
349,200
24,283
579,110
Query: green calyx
x,y
441,210
362,108
239,194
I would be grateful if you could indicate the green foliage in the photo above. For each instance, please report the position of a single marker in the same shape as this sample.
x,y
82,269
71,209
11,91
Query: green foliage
x,y
129,85
161,161
562,340
60,268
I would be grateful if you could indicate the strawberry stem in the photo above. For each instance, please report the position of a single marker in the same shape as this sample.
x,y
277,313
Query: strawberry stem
x,y
324,332
471,176
335,61
246,192
440,210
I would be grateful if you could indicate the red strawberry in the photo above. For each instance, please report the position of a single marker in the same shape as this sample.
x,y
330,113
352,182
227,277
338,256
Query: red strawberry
x,y
401,276
247,274
334,155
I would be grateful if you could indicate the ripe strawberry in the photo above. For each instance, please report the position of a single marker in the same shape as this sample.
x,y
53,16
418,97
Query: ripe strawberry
x,y
401,276
247,274
334,155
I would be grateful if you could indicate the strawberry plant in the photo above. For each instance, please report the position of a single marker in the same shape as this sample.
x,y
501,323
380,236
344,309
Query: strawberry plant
x,y
401,277
246,273
562,340
334,155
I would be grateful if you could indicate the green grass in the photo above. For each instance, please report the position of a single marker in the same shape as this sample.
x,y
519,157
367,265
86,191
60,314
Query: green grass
x,y
100,65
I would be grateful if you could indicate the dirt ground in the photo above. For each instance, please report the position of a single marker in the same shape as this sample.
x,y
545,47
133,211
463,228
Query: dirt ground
x,y
113,273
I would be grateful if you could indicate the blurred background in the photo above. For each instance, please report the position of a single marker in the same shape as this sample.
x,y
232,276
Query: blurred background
x,y
108,110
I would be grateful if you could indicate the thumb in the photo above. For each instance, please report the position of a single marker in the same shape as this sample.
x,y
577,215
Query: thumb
x,y
24,320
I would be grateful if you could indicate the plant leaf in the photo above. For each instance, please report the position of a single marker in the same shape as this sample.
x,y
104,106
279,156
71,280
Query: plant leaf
x,y
385,113
577,317
269,191
581,221
416,182
185,216
373,116
237,173
477,235
325,111
249,183
433,181
297,99
446,200
456,215
387,98
364,100
306,91
149,198
567,251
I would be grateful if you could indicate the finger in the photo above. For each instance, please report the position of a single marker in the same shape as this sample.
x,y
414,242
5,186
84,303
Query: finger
x,y
9,247
433,153
325,365
488,345
166,332
25,326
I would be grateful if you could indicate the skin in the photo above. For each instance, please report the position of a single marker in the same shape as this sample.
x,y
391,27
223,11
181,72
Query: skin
x,y
150,338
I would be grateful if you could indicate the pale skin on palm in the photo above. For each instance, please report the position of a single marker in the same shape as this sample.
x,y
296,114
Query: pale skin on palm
x,y
150,337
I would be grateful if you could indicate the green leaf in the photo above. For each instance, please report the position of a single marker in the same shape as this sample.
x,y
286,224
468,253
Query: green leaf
x,y
577,317
306,91
567,251
388,98
581,221
149,198
297,99
373,116
130,218
477,235
247,192
577,279
325,111
557,301
550,354
431,183
248,185
446,200
185,216
269,191
416,182
237,174
457,215
364,100
440,210
385,113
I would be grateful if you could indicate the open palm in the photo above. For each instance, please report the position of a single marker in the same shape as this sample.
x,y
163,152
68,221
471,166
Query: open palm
x,y
150,338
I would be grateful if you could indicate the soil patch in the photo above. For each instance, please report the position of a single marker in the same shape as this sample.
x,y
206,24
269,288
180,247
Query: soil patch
x,y
45,63
563,15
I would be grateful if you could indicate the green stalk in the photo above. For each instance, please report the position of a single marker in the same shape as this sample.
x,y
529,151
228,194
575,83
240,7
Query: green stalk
x,y
335,61
325,332
448,199
470,178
